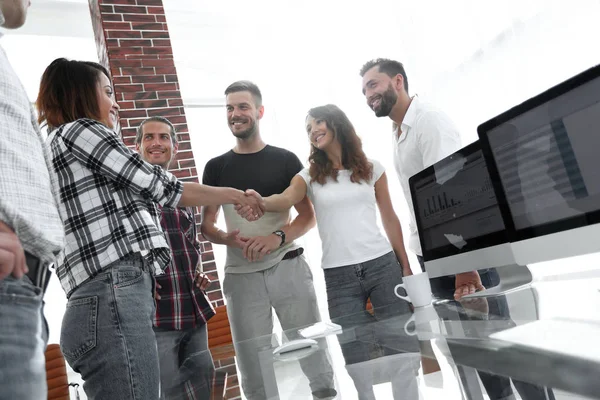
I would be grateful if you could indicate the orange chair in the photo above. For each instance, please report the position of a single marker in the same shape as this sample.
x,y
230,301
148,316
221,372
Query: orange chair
x,y
219,335
56,374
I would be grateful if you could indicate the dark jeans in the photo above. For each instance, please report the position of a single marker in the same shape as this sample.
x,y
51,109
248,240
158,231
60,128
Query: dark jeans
x,y
497,387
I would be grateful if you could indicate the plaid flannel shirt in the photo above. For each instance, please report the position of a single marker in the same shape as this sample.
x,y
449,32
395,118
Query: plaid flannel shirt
x,y
106,195
182,305
26,203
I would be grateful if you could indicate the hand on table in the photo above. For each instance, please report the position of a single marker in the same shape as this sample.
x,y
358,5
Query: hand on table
x,y
467,283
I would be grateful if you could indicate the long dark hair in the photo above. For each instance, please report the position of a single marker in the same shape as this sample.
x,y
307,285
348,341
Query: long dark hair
x,y
353,156
69,91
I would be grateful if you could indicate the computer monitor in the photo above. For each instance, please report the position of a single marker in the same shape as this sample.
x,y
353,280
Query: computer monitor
x,y
543,158
459,222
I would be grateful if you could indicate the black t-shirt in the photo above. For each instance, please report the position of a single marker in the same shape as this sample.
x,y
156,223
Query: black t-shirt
x,y
268,171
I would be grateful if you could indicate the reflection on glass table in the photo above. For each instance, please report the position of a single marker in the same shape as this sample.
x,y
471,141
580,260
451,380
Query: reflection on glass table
x,y
445,351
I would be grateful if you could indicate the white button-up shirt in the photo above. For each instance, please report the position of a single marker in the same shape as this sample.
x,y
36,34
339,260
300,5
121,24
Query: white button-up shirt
x,y
426,136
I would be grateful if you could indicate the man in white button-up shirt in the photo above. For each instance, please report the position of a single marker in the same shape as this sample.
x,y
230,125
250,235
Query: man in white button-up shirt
x,y
423,135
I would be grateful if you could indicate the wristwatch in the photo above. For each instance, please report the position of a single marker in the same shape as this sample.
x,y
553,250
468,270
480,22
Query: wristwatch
x,y
281,234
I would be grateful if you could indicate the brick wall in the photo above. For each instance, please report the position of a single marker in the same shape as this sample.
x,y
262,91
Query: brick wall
x,y
133,42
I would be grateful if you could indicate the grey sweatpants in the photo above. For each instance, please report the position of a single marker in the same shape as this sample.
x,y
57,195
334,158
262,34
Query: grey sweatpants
x,y
288,288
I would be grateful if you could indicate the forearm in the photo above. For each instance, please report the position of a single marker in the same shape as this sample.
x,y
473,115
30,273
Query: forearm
x,y
394,234
278,203
195,194
299,226
213,234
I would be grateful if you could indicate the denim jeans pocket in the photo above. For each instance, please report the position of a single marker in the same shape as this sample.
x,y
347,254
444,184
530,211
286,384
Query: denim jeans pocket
x,y
126,274
20,291
79,328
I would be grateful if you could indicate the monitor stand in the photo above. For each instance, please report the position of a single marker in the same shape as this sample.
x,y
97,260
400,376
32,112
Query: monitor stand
x,y
512,277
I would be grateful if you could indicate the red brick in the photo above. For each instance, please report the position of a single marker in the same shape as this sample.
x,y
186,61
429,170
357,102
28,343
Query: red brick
x,y
182,128
155,35
121,80
135,42
106,9
161,87
232,393
209,266
124,34
156,10
207,246
164,112
194,172
129,88
122,51
178,120
133,114
131,2
161,18
184,155
166,70
141,57
169,94
216,295
161,42
193,179
208,257
150,2
150,103
148,26
182,173
147,79
165,56
139,18
126,63
159,63
171,78
158,50
128,132
131,10
129,141
112,17
125,105
117,26
185,146
112,42
175,103
184,136
137,71
139,95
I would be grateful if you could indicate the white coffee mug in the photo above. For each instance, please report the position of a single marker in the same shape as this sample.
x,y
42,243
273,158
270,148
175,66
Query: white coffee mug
x,y
417,288
422,318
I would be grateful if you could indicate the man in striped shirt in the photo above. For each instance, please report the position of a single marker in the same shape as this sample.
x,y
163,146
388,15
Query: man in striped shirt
x,y
182,307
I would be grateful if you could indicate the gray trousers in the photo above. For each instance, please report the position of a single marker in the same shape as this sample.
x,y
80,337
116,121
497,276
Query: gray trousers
x,y
288,288
186,365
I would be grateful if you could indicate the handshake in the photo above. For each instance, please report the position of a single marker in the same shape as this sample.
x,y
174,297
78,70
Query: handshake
x,y
250,205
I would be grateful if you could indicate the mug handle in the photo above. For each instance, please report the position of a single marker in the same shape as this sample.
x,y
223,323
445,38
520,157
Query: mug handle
x,y
414,331
396,292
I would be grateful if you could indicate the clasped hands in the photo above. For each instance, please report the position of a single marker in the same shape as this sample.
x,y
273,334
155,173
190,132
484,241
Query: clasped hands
x,y
251,206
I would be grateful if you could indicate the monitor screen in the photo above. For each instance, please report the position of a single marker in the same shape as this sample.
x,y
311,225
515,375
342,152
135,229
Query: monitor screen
x,y
455,205
546,159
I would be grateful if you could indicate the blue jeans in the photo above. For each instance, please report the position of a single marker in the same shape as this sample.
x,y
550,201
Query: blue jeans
x,y
23,338
186,365
107,333
365,336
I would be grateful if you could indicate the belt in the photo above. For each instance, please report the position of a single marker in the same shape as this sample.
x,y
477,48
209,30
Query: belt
x,y
39,271
293,253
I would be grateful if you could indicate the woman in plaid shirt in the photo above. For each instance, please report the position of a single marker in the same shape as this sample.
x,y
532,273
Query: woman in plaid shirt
x,y
107,196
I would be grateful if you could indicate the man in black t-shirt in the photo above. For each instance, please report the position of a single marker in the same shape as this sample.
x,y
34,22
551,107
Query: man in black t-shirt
x,y
264,269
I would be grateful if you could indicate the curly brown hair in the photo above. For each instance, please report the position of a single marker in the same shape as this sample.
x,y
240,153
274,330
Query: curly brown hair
x,y
353,156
